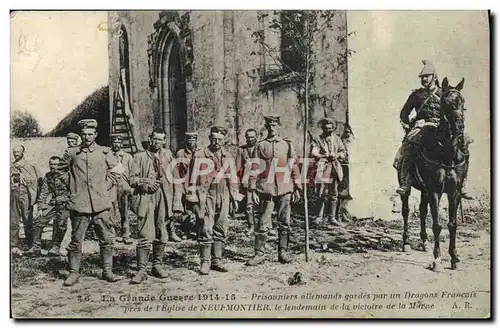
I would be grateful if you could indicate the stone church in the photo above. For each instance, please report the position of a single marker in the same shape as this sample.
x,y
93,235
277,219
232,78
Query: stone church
x,y
187,70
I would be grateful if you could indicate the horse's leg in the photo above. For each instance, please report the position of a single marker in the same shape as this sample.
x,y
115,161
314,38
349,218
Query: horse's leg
x,y
406,212
424,204
453,199
436,229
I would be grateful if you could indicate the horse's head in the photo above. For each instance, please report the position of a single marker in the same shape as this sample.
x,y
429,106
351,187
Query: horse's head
x,y
452,111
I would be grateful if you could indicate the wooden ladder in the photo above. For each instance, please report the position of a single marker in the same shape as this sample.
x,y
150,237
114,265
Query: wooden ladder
x,y
121,122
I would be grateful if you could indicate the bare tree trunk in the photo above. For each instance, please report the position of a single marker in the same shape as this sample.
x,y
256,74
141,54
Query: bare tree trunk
x,y
305,153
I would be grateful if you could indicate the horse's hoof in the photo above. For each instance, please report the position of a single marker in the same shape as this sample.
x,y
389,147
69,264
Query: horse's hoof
x,y
436,267
424,247
453,265
407,248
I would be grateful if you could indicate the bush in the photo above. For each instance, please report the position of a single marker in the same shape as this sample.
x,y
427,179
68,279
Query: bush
x,y
24,125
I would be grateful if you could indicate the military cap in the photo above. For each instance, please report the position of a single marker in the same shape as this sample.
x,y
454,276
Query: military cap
x,y
117,137
428,68
72,135
272,118
191,134
218,130
88,123
326,120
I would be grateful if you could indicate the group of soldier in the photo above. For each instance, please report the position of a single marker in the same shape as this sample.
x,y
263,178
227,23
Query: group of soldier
x,y
91,183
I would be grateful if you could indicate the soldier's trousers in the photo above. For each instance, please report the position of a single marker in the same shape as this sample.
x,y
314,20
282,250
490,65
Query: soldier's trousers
x,y
152,227
59,226
20,211
267,204
329,193
103,226
213,225
121,207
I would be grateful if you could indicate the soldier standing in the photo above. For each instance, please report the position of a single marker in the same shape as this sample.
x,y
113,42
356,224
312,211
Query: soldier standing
x,y
276,189
150,180
214,195
93,171
25,183
182,203
52,204
123,191
245,152
329,148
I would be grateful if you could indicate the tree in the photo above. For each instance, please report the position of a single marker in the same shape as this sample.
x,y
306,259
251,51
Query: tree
x,y
301,31
24,125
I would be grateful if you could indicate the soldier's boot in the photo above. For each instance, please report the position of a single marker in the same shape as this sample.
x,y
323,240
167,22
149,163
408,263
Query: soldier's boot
x,y
332,212
217,249
74,258
157,270
283,257
57,238
54,250
260,245
250,220
36,247
205,255
407,160
107,265
142,262
172,236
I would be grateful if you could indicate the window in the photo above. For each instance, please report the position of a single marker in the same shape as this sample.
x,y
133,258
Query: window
x,y
292,31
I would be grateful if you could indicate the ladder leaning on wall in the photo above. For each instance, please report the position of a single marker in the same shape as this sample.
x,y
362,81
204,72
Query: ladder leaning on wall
x,y
123,120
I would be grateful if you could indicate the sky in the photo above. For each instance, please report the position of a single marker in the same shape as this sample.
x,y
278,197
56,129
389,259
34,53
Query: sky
x,y
57,59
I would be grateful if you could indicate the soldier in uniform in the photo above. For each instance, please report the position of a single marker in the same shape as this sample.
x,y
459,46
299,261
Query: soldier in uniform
x,y
93,171
73,139
25,182
52,204
329,148
214,196
182,203
123,191
153,184
279,189
426,102
245,152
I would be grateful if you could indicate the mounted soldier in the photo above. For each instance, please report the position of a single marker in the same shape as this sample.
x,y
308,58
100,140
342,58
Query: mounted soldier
x,y
426,101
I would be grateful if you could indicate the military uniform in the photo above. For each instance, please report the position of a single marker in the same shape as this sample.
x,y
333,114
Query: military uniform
x,y
276,192
426,102
123,191
52,203
24,188
214,196
93,171
244,154
151,184
330,149
182,203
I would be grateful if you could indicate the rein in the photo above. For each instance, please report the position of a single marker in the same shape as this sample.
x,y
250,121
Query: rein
x,y
440,165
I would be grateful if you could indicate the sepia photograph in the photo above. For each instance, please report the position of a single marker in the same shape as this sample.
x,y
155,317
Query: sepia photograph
x,y
250,164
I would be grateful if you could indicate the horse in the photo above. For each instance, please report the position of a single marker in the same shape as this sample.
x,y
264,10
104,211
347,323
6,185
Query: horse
x,y
440,168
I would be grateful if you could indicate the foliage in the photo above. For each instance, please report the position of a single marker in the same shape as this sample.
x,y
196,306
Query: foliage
x,y
24,125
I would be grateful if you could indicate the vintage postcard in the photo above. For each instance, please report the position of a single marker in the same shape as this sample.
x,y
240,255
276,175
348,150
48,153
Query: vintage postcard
x,y
250,164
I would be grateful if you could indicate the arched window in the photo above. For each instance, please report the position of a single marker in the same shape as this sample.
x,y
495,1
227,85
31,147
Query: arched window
x,y
172,92
124,58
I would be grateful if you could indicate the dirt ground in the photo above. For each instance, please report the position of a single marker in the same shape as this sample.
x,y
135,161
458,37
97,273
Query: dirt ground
x,y
354,274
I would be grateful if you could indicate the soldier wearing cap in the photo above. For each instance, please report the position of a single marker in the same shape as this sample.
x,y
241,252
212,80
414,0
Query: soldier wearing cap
x,y
426,102
73,139
183,203
52,204
25,183
93,171
244,154
330,149
214,195
123,190
151,178
271,188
